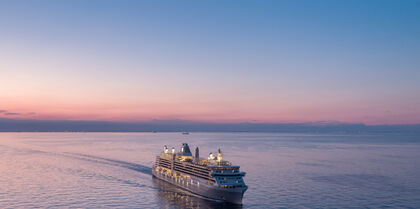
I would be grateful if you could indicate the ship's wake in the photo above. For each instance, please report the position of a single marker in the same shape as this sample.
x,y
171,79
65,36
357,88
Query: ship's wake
x,y
129,165
168,194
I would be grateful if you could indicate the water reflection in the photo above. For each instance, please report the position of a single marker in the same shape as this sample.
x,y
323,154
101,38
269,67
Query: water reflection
x,y
170,196
97,170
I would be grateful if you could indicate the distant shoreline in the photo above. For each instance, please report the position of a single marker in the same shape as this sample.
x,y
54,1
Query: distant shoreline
x,y
15,125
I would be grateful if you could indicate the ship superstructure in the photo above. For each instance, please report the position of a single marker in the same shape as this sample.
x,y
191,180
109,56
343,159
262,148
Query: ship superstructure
x,y
213,178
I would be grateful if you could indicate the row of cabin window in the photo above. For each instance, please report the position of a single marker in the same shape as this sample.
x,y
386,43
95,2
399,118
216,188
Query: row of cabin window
x,y
230,186
229,178
221,181
221,171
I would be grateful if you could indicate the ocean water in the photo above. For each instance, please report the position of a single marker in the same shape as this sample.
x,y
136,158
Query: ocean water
x,y
113,170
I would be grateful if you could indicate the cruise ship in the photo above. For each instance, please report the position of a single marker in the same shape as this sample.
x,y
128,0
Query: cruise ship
x,y
212,178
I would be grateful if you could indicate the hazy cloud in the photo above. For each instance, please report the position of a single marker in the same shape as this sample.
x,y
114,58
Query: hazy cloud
x,y
6,112
12,113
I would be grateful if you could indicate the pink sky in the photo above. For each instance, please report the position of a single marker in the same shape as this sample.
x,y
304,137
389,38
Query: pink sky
x,y
240,109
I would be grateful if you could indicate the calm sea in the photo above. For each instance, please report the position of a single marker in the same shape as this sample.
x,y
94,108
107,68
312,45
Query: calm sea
x,y
113,170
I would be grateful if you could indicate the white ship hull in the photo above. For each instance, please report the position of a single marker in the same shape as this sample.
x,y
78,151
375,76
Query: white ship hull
x,y
202,187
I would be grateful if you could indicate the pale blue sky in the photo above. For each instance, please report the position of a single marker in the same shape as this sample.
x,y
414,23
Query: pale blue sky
x,y
355,61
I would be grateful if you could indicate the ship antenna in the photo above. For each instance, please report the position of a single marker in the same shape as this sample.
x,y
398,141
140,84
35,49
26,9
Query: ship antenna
x,y
219,155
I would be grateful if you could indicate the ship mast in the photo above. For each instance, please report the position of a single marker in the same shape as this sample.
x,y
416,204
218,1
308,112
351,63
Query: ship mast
x,y
197,154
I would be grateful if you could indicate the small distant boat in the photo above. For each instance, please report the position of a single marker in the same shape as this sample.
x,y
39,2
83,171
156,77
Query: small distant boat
x,y
185,133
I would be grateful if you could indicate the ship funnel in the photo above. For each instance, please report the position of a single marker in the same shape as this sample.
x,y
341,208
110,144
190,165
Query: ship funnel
x,y
165,149
219,155
173,150
197,154
185,150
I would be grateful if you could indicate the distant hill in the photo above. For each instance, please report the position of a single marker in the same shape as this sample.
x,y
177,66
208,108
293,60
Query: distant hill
x,y
15,125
